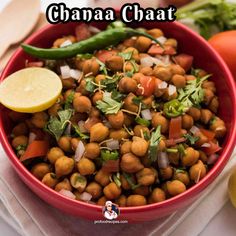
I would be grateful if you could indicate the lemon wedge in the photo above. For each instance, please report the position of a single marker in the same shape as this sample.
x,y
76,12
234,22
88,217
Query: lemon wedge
x,y
232,187
30,90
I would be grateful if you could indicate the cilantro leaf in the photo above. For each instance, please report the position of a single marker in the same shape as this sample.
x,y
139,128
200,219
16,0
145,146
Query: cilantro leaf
x,y
103,68
116,95
129,179
79,133
69,100
110,83
90,86
191,139
108,105
21,147
154,142
126,55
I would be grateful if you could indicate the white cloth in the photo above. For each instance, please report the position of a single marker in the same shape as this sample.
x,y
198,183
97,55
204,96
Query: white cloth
x,y
29,215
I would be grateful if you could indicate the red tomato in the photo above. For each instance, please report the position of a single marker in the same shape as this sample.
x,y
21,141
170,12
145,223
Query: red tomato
x,y
184,60
224,43
111,166
212,149
209,134
155,50
103,55
37,148
175,127
147,86
169,50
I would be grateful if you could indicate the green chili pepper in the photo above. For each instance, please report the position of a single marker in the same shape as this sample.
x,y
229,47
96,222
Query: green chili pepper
x,y
98,41
142,121
107,155
173,108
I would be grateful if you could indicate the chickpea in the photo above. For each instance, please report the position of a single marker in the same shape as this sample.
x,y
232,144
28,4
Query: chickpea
x,y
179,81
65,143
94,189
91,66
65,184
218,126
124,183
208,95
174,158
156,33
116,120
20,129
177,69
158,119
139,130
162,145
166,173
158,195
19,140
214,104
50,180
74,143
162,73
102,177
40,170
86,166
53,154
18,116
146,71
206,116
64,166
127,85
203,157
125,147
142,190
128,119
175,187
197,171
187,121
39,119
135,53
182,176
82,88
139,146
102,201
68,83
98,96
167,97
53,110
130,163
129,42
136,200
78,181
112,191
191,157
171,42
142,43
145,177
118,134
195,113
190,77
209,85
137,77
92,150
94,112
82,104
121,201
201,139
148,101
128,66
99,78
128,103
98,132
115,63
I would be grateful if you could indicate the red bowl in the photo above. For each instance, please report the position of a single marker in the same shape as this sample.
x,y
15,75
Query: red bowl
x,y
204,57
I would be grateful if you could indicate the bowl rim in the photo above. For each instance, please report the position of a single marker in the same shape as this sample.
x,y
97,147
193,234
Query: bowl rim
x,y
194,190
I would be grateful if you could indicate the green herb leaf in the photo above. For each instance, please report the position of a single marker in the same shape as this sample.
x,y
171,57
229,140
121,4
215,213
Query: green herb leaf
x,y
154,142
142,121
116,95
116,179
90,85
181,150
21,147
57,126
129,179
103,68
146,135
126,55
138,100
79,133
69,100
108,105
110,83
191,139
107,155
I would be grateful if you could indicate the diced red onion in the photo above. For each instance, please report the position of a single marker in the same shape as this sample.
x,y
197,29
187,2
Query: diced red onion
x,y
163,161
75,74
180,140
113,144
212,159
81,126
93,29
206,145
194,130
146,114
66,43
162,85
68,130
149,61
32,137
67,193
65,72
164,60
161,39
34,64
171,90
79,151
85,196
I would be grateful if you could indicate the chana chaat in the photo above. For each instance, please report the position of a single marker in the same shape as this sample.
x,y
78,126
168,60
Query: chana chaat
x,y
135,123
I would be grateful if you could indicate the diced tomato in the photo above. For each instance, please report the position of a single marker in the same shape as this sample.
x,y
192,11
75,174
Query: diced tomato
x,y
103,55
185,61
169,50
173,142
82,32
37,148
111,166
209,134
34,64
147,86
90,122
175,127
155,49
214,147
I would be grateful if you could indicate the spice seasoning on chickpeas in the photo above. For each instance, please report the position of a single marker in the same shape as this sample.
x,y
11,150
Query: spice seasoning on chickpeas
x,y
131,125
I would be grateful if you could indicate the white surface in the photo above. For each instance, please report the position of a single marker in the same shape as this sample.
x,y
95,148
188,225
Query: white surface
x,y
222,224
